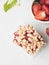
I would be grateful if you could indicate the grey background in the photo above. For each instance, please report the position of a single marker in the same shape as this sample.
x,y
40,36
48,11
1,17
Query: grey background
x,y
11,54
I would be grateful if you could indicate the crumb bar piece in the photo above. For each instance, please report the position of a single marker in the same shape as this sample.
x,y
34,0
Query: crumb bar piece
x,y
28,38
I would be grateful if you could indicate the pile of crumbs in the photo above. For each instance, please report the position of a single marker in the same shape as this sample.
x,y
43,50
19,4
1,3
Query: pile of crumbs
x,y
28,38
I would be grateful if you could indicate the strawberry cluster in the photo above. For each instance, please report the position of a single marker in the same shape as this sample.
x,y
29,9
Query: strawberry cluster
x,y
47,31
40,9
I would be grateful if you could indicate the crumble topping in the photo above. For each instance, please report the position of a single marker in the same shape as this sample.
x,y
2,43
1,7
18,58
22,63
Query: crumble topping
x,y
28,38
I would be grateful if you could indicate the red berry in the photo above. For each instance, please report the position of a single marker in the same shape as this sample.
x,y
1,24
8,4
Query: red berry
x,y
47,31
47,2
40,15
42,1
36,7
46,9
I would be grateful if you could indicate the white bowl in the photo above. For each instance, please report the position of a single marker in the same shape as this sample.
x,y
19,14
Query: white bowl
x,y
36,19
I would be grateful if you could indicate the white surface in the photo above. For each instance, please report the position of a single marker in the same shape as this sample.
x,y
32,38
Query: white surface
x,y
10,54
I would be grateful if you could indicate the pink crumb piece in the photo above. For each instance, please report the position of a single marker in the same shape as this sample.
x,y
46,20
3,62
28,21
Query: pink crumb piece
x,y
16,34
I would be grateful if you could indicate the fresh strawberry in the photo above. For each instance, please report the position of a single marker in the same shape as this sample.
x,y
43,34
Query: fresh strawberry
x,y
36,7
46,9
47,31
47,2
42,1
40,15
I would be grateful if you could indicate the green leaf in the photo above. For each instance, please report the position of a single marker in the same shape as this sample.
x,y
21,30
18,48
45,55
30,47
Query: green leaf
x,y
10,5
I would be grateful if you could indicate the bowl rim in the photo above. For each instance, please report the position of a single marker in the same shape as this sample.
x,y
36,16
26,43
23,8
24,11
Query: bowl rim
x,y
42,21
